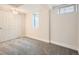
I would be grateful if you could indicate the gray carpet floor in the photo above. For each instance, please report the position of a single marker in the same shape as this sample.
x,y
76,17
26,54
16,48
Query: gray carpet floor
x,y
28,46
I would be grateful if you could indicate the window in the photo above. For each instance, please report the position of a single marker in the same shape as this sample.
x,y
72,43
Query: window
x,y
66,9
35,21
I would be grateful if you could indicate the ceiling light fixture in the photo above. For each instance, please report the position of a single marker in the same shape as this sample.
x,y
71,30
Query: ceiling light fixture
x,y
14,11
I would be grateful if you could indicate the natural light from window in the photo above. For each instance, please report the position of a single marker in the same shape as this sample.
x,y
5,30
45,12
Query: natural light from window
x,y
35,21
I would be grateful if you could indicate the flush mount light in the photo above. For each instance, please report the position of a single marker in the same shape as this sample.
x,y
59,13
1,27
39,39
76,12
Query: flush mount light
x,y
15,12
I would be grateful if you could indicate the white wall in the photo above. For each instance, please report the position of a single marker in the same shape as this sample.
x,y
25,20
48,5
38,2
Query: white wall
x,y
64,29
42,33
14,25
78,28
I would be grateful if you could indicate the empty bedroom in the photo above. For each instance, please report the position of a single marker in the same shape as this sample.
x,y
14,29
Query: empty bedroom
x,y
39,29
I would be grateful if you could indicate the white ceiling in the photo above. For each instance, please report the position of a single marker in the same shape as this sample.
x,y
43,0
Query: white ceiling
x,y
31,7
36,7
16,5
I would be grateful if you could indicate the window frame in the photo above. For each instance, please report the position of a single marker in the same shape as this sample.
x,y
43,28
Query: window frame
x,y
59,12
34,21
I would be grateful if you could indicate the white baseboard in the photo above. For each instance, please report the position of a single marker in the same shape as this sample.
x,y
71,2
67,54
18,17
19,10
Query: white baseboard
x,y
64,46
37,38
10,39
52,42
